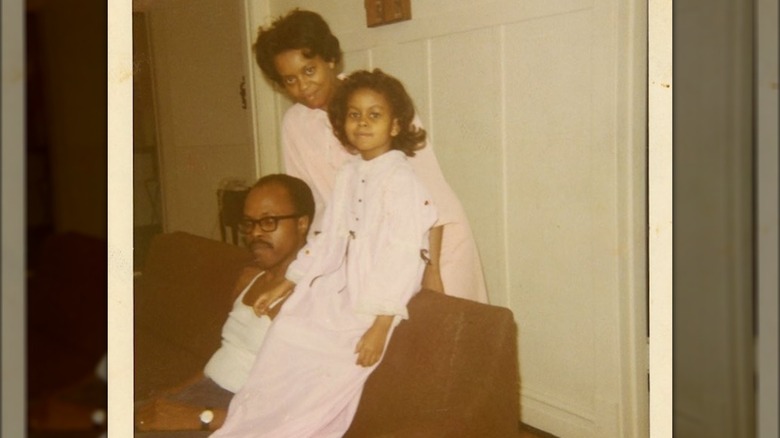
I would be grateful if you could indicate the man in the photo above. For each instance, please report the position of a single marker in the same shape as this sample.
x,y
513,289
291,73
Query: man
x,y
278,211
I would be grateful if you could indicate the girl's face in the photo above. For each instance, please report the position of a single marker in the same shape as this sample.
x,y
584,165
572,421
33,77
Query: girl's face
x,y
370,125
309,81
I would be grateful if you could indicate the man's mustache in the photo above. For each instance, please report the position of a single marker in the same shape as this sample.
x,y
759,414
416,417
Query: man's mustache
x,y
259,243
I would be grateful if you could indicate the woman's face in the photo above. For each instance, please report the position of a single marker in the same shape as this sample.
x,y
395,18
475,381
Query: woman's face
x,y
309,81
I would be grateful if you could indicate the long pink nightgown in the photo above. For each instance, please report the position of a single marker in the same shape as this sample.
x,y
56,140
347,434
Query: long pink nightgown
x,y
366,262
311,152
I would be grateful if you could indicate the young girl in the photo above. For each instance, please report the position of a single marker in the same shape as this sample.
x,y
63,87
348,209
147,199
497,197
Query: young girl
x,y
299,54
351,282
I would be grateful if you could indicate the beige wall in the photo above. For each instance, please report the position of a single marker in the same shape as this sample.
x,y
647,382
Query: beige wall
x,y
537,113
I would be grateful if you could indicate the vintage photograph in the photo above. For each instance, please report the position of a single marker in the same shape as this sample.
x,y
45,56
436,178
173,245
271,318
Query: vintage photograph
x,y
522,128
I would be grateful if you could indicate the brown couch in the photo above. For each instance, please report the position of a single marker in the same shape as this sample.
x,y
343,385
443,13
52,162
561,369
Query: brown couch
x,y
450,370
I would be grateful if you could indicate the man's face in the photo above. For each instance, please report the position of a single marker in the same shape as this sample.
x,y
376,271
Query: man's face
x,y
273,249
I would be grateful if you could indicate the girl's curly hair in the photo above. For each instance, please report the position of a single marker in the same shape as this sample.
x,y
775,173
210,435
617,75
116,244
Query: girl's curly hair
x,y
298,30
410,138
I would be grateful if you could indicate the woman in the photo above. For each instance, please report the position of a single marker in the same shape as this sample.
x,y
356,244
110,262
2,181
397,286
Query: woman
x,y
299,54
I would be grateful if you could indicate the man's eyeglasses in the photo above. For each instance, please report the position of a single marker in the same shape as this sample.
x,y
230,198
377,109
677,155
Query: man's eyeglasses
x,y
268,223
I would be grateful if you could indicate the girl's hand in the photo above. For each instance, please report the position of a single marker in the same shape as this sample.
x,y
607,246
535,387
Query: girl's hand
x,y
267,297
372,344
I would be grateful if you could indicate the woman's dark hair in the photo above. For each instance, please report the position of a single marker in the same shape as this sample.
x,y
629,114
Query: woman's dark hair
x,y
300,193
409,139
298,30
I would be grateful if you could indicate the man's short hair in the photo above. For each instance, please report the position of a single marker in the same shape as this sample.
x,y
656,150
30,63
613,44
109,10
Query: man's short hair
x,y
300,193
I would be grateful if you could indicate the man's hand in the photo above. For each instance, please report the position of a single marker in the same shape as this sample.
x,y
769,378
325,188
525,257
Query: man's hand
x,y
372,344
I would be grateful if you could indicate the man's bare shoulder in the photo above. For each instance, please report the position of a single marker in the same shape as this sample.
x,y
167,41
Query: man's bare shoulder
x,y
247,274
